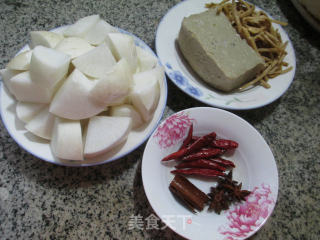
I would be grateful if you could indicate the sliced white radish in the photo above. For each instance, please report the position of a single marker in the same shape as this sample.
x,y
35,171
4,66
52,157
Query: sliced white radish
x,y
72,99
73,46
104,133
146,60
145,93
114,86
123,46
126,110
26,111
158,71
26,90
95,63
6,75
45,38
42,124
20,62
66,142
81,26
98,33
48,66
120,101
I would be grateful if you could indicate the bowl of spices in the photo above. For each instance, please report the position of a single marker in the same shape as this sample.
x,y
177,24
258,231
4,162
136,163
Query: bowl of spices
x,y
209,174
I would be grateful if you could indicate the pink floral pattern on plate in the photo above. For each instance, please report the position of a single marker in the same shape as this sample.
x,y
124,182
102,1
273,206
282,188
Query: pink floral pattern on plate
x,y
249,216
173,129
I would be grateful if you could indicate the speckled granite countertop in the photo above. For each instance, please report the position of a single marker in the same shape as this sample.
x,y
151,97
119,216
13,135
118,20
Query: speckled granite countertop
x,y
44,201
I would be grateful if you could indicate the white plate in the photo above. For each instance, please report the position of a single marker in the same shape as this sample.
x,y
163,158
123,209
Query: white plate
x,y
255,168
306,15
41,148
187,81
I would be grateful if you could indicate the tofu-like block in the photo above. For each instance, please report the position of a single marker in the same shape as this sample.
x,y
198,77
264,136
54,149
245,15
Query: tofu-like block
x,y
216,52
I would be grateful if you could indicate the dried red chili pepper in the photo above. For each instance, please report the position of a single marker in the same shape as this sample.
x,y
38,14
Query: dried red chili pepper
x,y
202,163
188,138
195,138
198,144
223,162
205,153
224,143
175,155
201,142
199,172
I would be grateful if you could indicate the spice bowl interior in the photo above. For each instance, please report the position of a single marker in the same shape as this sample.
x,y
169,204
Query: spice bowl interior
x,y
255,168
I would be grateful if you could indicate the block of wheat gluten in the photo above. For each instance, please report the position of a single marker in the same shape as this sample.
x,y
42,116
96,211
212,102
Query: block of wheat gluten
x,y
216,52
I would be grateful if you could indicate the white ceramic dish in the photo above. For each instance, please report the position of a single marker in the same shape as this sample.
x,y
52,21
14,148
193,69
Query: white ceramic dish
x,y
184,78
255,168
306,15
41,148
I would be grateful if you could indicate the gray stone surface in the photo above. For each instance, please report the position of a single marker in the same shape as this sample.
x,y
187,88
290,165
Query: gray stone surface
x,y
43,201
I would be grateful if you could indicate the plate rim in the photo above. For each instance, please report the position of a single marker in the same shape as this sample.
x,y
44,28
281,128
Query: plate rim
x,y
74,163
214,104
276,185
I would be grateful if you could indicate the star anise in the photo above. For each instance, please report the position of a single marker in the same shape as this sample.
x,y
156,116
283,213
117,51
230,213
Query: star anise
x,y
225,193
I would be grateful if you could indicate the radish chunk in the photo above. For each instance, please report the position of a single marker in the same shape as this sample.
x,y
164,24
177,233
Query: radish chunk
x,y
74,46
72,99
95,63
81,27
45,38
123,46
104,133
66,142
127,110
20,62
6,75
48,66
99,32
41,125
158,71
114,86
146,60
145,93
26,111
26,90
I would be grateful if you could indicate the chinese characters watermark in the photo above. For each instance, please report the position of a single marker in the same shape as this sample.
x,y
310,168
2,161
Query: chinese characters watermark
x,y
154,222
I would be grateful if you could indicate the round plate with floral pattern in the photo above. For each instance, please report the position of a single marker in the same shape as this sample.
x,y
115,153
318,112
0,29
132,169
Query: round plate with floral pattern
x,y
41,148
255,168
185,78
